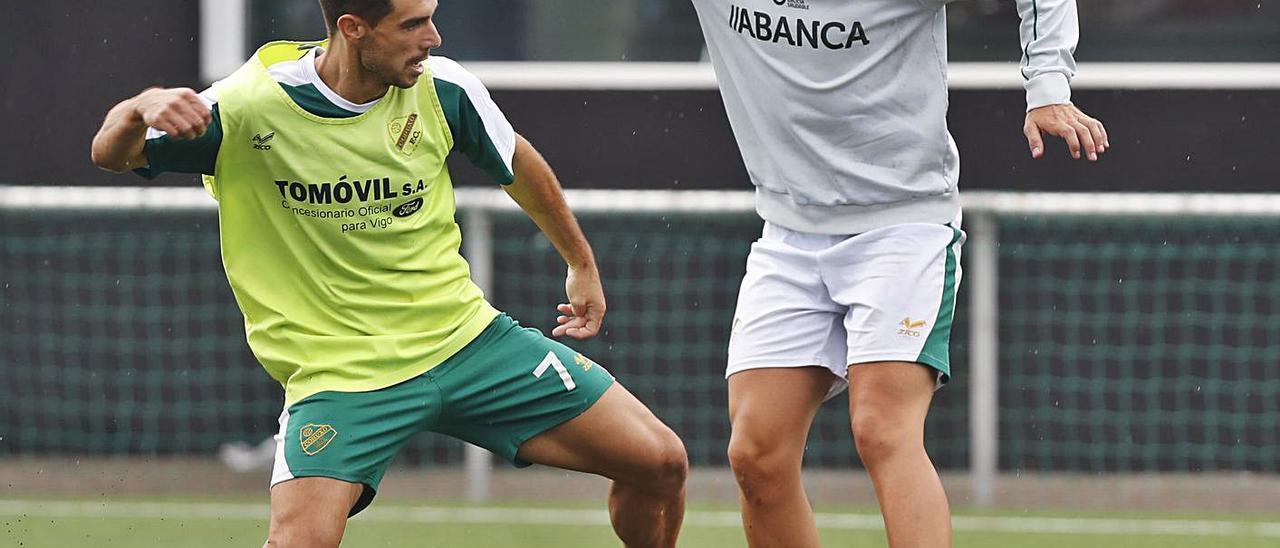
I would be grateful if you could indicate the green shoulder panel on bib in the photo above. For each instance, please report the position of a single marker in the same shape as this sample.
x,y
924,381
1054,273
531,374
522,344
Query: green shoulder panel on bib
x,y
469,133
338,234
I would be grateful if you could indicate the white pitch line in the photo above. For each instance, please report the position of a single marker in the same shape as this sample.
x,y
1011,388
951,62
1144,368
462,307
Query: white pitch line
x,y
559,516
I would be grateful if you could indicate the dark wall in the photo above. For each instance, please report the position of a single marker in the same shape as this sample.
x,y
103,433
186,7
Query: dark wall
x,y
80,58
1170,140
1173,140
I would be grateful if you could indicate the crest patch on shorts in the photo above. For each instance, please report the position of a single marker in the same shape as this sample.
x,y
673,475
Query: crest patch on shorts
x,y
315,437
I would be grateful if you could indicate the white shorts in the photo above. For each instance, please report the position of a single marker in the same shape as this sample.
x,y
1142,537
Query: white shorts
x,y
835,300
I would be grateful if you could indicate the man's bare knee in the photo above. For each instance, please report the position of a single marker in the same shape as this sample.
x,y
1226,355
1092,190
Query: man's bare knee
x,y
761,469
672,466
665,467
878,438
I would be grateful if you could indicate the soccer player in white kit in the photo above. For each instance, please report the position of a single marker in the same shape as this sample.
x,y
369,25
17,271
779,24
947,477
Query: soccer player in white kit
x,y
839,109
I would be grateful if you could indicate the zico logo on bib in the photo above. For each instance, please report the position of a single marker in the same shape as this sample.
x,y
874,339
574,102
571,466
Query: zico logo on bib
x,y
315,437
260,141
405,133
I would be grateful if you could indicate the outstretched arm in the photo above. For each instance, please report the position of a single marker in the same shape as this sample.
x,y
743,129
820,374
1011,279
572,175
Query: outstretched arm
x,y
120,144
1050,31
538,193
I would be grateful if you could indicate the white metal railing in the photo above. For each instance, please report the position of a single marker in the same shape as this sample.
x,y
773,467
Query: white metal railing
x,y
982,208
977,202
631,75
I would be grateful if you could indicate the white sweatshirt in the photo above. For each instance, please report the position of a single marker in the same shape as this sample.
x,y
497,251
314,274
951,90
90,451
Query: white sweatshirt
x,y
840,106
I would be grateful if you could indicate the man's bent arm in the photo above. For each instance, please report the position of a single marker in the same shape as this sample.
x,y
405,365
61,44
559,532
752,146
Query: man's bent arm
x,y
538,193
120,144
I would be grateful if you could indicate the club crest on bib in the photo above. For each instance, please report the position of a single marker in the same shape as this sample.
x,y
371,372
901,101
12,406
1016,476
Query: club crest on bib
x,y
405,133
315,437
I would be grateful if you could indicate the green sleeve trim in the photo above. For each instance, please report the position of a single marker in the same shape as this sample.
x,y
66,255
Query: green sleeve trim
x,y
167,154
469,135
311,100
1035,35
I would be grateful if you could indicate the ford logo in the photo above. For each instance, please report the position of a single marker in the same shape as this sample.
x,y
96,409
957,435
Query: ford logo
x,y
408,208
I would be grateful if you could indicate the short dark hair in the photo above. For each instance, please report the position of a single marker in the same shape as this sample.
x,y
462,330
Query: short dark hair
x,y
369,10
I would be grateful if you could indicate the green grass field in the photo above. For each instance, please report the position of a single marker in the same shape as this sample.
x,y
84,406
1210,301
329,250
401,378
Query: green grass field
x,y
230,522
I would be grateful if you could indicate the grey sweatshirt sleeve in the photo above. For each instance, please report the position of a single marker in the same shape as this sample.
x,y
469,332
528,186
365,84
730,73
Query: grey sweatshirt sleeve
x,y
1050,31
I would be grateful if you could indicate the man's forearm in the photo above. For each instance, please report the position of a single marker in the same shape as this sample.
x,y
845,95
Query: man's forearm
x,y
119,143
538,193
1050,31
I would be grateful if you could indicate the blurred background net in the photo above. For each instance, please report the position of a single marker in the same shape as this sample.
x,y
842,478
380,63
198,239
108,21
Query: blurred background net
x,y
1132,345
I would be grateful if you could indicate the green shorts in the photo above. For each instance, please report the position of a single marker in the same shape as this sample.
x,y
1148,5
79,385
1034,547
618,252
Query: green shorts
x,y
508,385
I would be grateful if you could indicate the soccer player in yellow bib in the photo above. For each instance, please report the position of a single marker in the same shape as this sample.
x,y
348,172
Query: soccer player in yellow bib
x,y
336,215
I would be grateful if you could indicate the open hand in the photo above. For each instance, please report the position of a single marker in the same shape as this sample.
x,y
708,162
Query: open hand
x,y
1084,135
581,317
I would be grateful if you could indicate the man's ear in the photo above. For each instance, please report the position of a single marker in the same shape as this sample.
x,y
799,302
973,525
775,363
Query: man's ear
x,y
352,28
